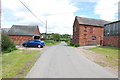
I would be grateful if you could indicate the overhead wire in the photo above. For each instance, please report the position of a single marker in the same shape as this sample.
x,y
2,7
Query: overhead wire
x,y
31,12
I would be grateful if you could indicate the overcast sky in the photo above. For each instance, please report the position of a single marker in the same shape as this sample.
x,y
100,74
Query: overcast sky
x,y
60,14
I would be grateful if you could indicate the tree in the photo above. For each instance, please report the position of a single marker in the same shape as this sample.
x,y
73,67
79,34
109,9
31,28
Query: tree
x,y
65,37
56,37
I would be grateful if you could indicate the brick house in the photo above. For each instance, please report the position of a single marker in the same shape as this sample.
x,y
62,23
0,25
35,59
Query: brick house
x,y
23,33
88,31
112,34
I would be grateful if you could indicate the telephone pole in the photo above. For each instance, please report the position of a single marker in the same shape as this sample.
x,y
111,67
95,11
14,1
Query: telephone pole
x,y
46,30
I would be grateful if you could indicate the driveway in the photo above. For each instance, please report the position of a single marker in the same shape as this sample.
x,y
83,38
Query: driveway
x,y
62,61
28,48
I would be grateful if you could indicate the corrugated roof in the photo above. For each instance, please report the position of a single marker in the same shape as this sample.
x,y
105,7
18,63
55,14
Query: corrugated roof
x,y
113,22
22,30
90,21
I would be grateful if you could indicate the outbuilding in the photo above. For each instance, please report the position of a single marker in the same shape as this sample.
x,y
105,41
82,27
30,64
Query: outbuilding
x,y
87,31
112,34
23,33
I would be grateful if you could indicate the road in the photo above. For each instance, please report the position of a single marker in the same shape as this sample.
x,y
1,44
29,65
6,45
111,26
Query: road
x,y
62,61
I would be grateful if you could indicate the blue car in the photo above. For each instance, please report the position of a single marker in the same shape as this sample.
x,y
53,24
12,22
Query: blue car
x,y
34,43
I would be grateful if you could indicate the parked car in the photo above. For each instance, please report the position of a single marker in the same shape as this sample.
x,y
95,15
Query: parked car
x,y
34,43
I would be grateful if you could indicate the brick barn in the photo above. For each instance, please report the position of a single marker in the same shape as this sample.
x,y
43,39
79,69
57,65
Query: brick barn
x,y
112,34
88,31
23,33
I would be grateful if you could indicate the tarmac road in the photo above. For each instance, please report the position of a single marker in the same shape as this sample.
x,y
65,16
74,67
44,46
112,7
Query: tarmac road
x,y
62,61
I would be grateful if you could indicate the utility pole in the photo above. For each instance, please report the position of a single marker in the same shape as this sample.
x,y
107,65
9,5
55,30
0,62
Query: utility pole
x,y
46,30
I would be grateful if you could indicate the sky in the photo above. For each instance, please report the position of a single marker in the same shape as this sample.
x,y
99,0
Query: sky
x,y
59,14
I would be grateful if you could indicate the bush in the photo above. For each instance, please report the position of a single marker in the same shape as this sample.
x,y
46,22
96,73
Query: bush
x,y
7,44
76,45
73,44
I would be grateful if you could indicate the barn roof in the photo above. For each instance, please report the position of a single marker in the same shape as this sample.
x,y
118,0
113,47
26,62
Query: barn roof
x,y
91,21
22,30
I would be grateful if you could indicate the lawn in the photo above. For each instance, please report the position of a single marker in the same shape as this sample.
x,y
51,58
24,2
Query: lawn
x,y
106,50
106,56
51,42
17,64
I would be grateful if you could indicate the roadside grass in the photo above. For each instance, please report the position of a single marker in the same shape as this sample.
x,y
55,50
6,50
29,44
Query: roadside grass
x,y
17,63
51,42
0,66
108,55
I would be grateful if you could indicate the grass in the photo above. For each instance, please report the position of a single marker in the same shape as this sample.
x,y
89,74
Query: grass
x,y
51,42
106,50
108,55
17,64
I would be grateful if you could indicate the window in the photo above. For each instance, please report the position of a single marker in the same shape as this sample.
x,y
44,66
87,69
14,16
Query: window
x,y
85,34
31,41
93,37
36,41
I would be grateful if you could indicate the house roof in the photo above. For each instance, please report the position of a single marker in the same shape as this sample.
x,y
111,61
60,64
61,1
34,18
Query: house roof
x,y
22,30
91,21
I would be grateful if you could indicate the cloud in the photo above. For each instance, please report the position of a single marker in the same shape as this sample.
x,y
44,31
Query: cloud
x,y
107,9
119,10
58,13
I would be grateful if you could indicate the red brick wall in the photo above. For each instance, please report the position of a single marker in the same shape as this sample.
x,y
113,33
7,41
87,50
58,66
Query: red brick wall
x,y
76,32
111,41
84,33
86,37
20,39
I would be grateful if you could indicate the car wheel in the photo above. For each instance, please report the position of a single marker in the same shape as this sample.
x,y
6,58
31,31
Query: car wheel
x,y
39,46
25,45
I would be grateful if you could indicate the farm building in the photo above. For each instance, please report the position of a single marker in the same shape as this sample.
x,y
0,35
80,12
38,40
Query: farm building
x,y
112,34
88,31
23,33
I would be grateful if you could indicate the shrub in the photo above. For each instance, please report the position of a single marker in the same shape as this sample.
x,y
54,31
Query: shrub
x,y
73,44
7,44
76,45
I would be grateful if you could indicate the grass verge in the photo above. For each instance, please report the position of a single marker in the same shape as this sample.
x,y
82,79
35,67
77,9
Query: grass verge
x,y
106,50
17,64
106,56
51,42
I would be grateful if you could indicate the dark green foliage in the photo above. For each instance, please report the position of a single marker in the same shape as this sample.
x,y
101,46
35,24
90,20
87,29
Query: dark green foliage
x,y
73,44
7,44
65,37
56,37
76,45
